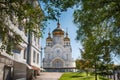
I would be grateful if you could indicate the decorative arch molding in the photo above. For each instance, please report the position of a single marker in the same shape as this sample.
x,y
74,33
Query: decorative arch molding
x,y
57,46
57,63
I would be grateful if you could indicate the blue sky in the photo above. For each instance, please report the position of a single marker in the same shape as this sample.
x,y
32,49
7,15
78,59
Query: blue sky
x,y
66,22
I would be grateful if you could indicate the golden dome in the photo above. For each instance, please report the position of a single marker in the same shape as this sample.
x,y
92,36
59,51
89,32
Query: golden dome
x,y
58,30
66,38
49,37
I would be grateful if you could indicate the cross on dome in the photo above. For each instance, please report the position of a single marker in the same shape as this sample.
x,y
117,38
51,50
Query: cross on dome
x,y
58,30
58,24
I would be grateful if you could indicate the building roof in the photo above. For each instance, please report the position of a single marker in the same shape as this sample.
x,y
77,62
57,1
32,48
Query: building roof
x,y
58,30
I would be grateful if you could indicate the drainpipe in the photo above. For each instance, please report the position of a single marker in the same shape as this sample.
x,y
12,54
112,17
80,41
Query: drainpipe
x,y
28,75
29,47
41,58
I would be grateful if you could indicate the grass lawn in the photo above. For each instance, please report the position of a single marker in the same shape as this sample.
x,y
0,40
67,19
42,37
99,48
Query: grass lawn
x,y
78,76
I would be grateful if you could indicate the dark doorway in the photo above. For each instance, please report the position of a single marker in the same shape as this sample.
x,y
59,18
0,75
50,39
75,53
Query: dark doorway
x,y
7,73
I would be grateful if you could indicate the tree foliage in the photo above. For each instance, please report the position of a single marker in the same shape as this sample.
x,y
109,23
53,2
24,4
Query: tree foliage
x,y
18,13
24,14
98,20
98,29
102,14
83,65
53,8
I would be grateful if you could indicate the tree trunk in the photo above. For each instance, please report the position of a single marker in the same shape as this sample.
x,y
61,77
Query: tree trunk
x,y
86,73
95,71
114,74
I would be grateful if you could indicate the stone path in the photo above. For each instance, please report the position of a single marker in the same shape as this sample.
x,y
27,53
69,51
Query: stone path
x,y
49,76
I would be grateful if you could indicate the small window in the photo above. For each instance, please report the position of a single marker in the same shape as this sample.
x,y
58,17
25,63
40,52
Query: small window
x,y
17,50
34,37
34,55
20,28
0,38
38,58
48,56
58,51
26,33
49,44
25,53
38,41
67,56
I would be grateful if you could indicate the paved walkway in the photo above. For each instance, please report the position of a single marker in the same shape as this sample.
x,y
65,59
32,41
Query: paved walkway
x,y
49,76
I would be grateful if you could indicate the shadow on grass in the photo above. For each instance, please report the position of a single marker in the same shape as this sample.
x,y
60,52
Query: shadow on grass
x,y
76,76
103,78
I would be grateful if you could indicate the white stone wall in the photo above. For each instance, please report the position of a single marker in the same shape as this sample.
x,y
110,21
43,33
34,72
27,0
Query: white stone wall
x,y
37,54
58,40
58,51
17,57
35,44
35,41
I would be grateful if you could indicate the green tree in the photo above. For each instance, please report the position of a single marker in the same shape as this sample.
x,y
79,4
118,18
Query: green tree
x,y
16,13
101,13
22,14
83,65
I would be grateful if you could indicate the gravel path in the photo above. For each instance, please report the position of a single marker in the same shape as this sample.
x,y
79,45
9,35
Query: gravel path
x,y
49,76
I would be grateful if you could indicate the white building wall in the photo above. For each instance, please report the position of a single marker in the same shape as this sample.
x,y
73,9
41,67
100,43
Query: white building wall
x,y
35,49
19,57
65,54
15,58
32,57
14,27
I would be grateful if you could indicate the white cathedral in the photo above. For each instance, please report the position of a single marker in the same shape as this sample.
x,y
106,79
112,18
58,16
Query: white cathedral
x,y
58,52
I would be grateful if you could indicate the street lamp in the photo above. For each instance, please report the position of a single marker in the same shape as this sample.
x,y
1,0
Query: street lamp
x,y
41,57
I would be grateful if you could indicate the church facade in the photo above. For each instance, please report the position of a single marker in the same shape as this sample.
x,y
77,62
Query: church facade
x,y
58,51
